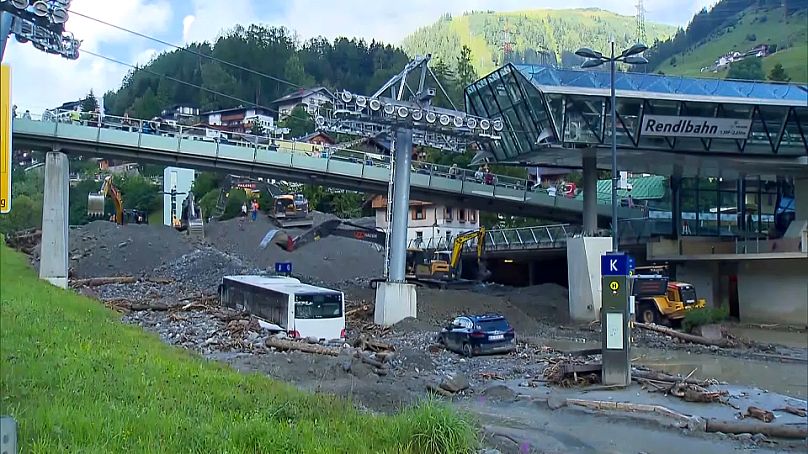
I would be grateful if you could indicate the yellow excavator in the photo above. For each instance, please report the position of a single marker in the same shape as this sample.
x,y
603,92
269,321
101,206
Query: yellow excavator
x,y
445,265
96,201
441,269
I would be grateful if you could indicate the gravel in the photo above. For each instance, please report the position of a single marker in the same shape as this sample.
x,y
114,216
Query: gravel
x,y
331,260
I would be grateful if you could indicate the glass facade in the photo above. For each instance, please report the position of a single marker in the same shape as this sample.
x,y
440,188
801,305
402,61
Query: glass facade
x,y
744,208
572,108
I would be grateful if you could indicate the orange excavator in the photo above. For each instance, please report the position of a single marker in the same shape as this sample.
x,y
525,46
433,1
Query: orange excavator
x,y
95,201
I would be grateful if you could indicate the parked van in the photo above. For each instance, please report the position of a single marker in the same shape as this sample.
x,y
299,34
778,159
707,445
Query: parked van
x,y
301,310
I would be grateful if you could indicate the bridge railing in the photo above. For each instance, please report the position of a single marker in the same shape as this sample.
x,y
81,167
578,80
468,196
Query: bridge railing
x,y
226,146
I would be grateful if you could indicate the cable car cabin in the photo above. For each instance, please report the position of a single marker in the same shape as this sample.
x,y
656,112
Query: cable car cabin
x,y
301,310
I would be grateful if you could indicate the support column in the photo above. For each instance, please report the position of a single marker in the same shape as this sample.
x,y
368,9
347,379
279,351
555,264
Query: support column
x,y
590,175
53,257
676,206
395,299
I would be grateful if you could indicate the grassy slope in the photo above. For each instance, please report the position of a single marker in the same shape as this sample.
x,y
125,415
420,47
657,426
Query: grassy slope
x,y
77,380
775,30
556,40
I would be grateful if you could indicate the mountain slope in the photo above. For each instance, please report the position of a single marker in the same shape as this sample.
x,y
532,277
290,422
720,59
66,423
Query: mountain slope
x,y
751,27
561,32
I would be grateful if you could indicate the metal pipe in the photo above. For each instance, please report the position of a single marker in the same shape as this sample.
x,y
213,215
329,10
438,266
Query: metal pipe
x,y
615,178
401,205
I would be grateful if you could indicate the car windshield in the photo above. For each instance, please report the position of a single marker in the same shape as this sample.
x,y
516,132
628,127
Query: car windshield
x,y
688,294
497,324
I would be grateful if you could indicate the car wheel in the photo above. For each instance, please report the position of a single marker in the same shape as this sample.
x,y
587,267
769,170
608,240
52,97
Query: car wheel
x,y
648,313
441,340
467,351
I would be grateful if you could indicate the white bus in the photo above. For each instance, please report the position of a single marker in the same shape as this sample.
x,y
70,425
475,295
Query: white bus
x,y
301,310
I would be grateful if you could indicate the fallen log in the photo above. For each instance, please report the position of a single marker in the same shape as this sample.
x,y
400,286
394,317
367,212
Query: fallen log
x,y
628,406
724,343
99,281
285,345
148,307
770,430
368,360
801,412
373,345
661,376
159,280
363,308
759,413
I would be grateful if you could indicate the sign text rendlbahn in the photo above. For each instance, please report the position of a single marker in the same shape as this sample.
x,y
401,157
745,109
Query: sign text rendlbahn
x,y
699,127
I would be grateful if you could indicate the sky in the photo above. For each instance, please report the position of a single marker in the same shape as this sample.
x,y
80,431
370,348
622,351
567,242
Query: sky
x,y
41,80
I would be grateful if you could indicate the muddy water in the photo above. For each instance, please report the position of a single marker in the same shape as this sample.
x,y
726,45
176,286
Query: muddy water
x,y
786,378
795,339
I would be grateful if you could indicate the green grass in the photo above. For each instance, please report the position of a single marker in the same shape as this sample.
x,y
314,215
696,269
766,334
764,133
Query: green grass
x,y
704,316
791,34
78,380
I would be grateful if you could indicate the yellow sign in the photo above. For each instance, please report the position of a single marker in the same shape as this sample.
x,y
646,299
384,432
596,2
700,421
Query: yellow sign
x,y
614,285
5,139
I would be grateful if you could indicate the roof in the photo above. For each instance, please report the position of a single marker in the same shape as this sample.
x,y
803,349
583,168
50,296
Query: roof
x,y
312,135
574,81
642,188
300,94
235,109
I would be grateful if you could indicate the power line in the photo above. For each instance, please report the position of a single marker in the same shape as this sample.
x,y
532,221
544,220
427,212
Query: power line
x,y
185,49
179,81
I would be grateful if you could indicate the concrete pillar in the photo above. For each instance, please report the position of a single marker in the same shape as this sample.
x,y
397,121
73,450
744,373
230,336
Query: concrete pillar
x,y
395,299
532,272
590,184
53,259
583,276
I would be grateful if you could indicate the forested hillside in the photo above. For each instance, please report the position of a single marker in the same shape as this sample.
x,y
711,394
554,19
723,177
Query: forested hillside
x,y
560,32
739,25
344,63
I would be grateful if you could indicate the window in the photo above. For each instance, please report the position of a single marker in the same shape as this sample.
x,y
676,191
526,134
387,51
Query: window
x,y
317,306
418,214
462,215
472,215
448,213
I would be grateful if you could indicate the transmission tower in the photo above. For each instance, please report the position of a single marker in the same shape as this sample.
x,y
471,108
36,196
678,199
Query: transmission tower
x,y
640,22
507,44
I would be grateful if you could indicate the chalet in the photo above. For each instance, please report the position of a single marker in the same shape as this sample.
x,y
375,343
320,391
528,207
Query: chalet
x,y
239,119
309,98
430,225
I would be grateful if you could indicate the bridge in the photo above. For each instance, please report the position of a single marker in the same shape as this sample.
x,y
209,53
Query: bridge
x,y
245,154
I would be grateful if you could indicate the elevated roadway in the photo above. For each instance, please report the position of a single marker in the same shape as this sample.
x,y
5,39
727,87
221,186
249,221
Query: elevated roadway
x,y
296,161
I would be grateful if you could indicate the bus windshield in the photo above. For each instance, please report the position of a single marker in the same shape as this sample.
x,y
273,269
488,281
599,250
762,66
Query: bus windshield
x,y
318,306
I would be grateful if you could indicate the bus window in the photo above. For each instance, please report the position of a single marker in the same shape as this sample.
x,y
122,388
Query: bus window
x,y
318,306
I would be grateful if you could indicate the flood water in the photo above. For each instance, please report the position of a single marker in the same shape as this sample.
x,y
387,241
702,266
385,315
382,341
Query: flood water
x,y
790,379
795,339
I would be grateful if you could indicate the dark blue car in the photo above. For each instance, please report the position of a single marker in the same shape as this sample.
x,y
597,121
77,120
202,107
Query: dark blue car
x,y
478,334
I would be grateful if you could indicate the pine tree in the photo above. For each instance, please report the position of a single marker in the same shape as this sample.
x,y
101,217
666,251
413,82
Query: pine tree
x,y
466,75
89,103
778,74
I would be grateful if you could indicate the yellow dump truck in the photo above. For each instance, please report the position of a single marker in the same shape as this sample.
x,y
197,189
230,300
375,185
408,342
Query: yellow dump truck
x,y
660,300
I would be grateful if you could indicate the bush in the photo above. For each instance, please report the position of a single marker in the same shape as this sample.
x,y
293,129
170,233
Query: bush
x,y
235,198
208,202
704,316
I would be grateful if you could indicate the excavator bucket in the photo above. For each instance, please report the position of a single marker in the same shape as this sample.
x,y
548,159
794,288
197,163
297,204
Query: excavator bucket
x,y
196,227
95,205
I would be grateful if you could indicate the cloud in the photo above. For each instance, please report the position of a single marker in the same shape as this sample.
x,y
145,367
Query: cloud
x,y
211,17
43,81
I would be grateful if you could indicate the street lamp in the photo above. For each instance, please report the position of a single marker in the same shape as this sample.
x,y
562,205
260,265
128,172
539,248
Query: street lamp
x,y
593,59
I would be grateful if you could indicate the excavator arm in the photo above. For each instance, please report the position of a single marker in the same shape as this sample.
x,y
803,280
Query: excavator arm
x,y
333,227
462,239
95,201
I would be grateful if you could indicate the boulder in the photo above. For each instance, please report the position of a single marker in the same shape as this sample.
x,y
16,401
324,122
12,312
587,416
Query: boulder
x,y
455,384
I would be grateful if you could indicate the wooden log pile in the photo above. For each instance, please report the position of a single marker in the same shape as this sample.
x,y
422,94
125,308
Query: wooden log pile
x,y
569,372
24,241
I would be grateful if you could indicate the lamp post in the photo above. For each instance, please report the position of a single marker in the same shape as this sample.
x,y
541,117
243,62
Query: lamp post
x,y
595,58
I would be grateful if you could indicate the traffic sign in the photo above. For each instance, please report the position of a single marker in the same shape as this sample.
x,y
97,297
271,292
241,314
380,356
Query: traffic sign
x,y
5,139
283,267
614,265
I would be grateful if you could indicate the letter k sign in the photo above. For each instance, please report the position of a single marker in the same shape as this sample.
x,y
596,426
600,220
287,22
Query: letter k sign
x,y
613,265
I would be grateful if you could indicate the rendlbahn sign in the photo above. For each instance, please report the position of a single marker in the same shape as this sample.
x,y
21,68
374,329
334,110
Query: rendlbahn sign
x,y
700,127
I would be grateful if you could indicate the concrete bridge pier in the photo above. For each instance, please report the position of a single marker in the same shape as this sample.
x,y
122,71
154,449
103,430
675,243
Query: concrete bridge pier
x,y
53,257
583,254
